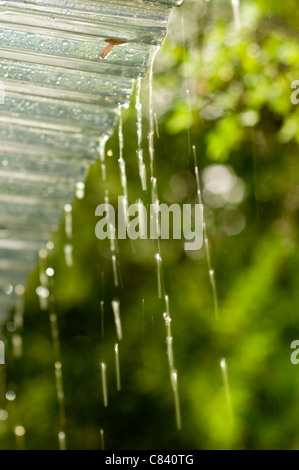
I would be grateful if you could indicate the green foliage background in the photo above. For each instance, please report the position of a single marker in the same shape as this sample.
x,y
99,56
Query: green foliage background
x,y
238,113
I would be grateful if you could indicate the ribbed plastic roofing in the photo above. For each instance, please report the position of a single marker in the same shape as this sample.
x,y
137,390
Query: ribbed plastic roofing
x,y
65,66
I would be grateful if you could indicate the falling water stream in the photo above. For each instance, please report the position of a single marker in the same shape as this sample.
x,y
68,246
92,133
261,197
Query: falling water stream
x,y
47,304
47,273
236,13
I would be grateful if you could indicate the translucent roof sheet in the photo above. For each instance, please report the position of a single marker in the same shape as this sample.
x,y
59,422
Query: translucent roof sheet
x,y
61,93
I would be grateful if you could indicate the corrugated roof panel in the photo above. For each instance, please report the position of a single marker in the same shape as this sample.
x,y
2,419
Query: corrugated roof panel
x,y
65,65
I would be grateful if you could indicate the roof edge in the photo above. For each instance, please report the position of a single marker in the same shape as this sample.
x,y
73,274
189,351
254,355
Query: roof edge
x,y
171,3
